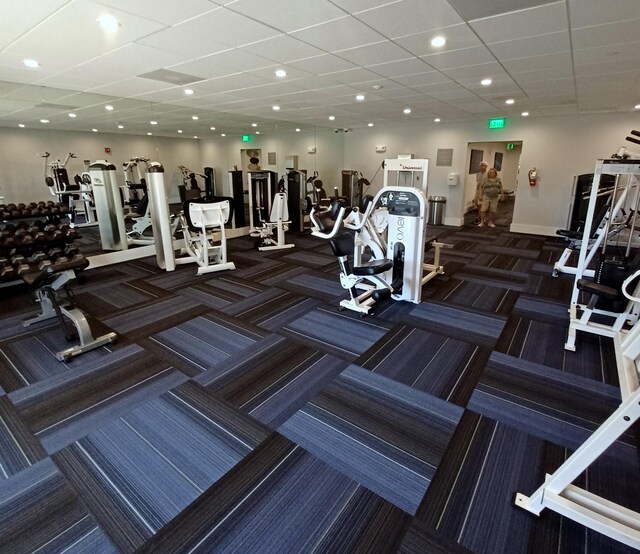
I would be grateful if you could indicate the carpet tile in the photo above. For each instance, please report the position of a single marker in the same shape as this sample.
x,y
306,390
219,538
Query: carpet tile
x,y
386,436
318,510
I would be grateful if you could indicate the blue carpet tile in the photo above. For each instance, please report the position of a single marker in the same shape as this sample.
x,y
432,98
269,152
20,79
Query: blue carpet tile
x,y
39,512
386,436
283,499
135,474
478,296
471,500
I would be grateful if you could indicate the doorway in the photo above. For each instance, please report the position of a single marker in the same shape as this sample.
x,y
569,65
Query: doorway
x,y
505,157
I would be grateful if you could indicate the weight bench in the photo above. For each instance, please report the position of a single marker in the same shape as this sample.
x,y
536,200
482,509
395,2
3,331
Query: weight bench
x,y
51,285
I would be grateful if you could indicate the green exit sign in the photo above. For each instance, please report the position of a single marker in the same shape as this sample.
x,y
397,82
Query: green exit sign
x,y
497,123
511,146
247,138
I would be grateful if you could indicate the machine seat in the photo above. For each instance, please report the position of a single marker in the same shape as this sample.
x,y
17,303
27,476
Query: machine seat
x,y
603,291
373,267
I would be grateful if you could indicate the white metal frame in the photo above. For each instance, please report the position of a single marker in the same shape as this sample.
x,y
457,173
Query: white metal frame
x,y
580,314
408,173
559,494
278,220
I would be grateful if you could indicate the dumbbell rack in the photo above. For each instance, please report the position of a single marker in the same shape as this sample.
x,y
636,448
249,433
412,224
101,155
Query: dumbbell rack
x,y
33,237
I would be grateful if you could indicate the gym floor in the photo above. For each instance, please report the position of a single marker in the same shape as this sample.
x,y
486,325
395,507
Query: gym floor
x,y
241,412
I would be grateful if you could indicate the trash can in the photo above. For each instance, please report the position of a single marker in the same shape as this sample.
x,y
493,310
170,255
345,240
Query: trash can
x,y
436,209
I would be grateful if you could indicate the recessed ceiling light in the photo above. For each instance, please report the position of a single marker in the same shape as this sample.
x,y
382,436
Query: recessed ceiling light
x,y
509,101
437,120
109,107
525,114
120,126
21,125
360,97
44,121
369,124
31,63
195,136
406,110
223,135
376,87
153,122
254,124
195,117
72,115
281,73
437,42
257,132
179,130
332,118
149,134
212,128
94,130
636,107
486,82
108,23
188,91
297,130
275,108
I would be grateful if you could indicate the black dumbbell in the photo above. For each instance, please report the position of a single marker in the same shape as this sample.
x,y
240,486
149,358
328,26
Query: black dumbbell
x,y
9,242
53,253
21,206
43,264
7,272
37,257
11,206
18,259
22,269
72,234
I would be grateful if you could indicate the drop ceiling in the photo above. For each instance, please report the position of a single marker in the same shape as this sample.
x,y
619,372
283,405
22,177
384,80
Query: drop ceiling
x,y
552,57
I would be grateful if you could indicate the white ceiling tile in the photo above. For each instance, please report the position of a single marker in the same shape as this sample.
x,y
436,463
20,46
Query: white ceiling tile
x,y
410,16
288,15
418,79
354,6
131,87
20,17
282,49
570,109
319,65
458,37
479,71
613,66
606,34
183,41
381,52
356,77
584,14
561,60
7,88
545,19
169,13
228,83
400,68
533,46
458,93
340,34
459,58
223,63
605,54
83,38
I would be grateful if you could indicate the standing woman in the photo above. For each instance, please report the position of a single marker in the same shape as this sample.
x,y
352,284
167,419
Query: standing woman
x,y
491,195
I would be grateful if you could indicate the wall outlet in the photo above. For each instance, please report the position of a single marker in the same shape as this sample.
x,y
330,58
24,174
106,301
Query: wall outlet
x,y
381,149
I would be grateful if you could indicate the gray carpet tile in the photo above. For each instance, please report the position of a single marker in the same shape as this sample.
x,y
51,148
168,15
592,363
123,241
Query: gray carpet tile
x,y
476,295
319,510
68,406
106,300
339,334
206,295
472,326
542,309
138,472
385,435
40,512
309,259
441,366
421,539
318,286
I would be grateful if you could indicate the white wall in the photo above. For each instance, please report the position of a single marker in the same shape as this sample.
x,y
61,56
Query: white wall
x,y
559,147
22,168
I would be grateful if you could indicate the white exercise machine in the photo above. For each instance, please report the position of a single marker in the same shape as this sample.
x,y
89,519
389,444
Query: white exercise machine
x,y
106,194
558,493
406,172
205,241
272,229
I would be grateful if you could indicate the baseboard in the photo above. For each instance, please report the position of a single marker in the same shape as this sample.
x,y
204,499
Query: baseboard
x,y
533,230
454,221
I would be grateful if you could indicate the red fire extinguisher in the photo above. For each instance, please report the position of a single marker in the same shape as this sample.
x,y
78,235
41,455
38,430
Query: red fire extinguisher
x,y
533,177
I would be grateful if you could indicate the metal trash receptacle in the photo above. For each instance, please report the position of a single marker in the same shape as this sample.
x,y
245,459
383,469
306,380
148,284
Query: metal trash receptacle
x,y
436,210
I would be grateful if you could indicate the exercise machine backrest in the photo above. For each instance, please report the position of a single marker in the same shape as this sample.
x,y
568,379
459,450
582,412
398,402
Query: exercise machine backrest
x,y
201,214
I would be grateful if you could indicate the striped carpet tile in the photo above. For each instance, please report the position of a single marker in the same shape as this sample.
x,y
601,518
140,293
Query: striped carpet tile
x,y
441,366
542,309
205,295
339,334
203,342
316,285
309,259
422,539
39,512
511,251
384,435
555,288
558,407
478,328
137,473
476,295
471,499
19,449
68,406
275,382
156,316
232,284
103,301
493,276
283,499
